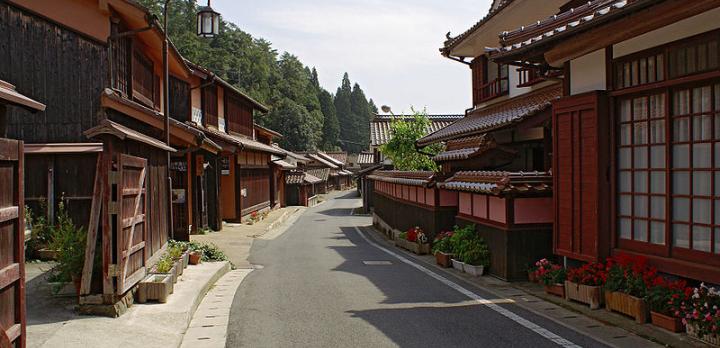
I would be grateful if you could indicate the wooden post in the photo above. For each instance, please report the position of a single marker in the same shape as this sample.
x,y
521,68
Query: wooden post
x,y
108,290
20,243
98,190
51,191
3,121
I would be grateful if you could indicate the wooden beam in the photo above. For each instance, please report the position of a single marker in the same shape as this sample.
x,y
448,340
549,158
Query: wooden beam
x,y
108,289
95,208
135,248
8,213
14,332
625,28
9,275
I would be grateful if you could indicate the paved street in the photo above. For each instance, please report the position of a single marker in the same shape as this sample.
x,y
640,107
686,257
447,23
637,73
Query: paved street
x,y
314,288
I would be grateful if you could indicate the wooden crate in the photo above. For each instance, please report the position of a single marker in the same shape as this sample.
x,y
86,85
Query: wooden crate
x,y
591,295
628,305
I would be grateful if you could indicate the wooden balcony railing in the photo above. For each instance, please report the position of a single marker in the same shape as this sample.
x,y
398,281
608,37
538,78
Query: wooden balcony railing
x,y
492,89
529,77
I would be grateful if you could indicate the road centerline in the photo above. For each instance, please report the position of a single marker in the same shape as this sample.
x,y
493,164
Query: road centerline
x,y
553,337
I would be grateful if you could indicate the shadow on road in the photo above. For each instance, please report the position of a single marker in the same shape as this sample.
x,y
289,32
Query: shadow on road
x,y
350,195
336,212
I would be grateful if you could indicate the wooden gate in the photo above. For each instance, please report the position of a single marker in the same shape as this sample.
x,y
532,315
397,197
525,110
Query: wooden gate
x,y
581,138
12,242
131,223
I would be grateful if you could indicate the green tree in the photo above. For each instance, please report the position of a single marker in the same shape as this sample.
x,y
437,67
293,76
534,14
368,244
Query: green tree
x,y
401,147
344,113
331,128
361,121
296,124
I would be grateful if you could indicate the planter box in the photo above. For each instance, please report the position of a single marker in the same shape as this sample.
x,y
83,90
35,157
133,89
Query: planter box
x,y
587,294
458,265
186,258
713,340
45,254
179,266
628,305
555,289
174,274
444,259
195,258
155,287
420,249
473,270
666,322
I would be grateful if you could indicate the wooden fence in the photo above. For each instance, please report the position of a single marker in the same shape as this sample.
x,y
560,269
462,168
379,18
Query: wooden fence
x,y
12,242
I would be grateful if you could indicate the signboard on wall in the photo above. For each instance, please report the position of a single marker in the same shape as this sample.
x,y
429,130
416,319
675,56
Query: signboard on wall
x,y
225,165
178,195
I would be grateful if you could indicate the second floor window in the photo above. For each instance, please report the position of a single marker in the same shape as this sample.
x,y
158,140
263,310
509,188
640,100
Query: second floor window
x,y
210,103
238,116
144,83
490,80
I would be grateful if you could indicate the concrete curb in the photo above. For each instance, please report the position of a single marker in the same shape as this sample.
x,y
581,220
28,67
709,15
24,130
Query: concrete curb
x,y
201,294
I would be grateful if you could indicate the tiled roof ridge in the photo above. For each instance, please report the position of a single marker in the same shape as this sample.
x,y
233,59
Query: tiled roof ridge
x,y
405,174
498,182
451,42
533,102
433,117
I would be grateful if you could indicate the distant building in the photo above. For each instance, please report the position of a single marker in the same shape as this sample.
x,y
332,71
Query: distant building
x,y
380,131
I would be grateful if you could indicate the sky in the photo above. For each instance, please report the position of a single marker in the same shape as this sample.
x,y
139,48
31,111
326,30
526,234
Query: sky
x,y
389,47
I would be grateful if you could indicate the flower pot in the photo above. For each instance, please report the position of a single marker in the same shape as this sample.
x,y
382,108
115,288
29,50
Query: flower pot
x,y
458,265
692,331
532,276
443,259
591,295
195,258
666,322
155,287
474,271
555,289
628,305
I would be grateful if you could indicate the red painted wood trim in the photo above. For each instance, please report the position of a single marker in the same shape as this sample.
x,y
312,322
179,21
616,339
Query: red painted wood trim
x,y
482,221
415,204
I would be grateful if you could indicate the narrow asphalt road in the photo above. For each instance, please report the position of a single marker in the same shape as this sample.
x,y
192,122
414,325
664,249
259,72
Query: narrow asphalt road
x,y
315,289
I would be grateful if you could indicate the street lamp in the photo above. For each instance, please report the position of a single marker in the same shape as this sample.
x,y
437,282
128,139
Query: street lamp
x,y
208,22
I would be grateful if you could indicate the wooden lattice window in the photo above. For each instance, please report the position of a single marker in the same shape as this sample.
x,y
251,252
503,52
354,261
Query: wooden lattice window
x,y
238,116
143,79
696,56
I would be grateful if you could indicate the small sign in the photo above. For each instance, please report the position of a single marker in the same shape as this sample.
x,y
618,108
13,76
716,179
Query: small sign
x,y
243,192
225,165
178,196
178,166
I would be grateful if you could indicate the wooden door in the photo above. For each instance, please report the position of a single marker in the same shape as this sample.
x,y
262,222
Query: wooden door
x,y
180,194
12,239
581,177
131,223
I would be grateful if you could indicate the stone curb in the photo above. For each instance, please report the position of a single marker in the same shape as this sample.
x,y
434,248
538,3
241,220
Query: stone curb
x,y
201,294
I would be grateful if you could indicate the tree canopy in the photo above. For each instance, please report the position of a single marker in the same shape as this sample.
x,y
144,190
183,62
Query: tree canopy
x,y
400,149
310,117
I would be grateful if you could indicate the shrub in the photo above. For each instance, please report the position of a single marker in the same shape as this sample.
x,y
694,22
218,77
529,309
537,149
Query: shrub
x,y
41,231
209,252
666,297
460,235
69,242
475,252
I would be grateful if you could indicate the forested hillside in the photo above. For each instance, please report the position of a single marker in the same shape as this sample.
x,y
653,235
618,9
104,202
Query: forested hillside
x,y
309,116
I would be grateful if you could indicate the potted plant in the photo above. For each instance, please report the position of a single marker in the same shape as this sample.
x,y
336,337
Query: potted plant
x,y
584,284
38,246
158,285
665,299
176,254
475,257
628,279
68,241
443,249
552,276
701,314
414,240
532,272
195,257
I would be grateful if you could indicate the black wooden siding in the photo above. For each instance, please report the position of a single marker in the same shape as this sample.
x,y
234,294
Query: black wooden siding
x,y
58,67
179,100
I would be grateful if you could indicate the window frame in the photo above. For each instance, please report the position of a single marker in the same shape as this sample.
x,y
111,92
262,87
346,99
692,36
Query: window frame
x,y
483,89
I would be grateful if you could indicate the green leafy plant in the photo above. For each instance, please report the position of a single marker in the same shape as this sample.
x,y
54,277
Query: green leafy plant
x,y
210,252
165,264
460,236
69,242
175,251
401,147
41,231
555,274
403,235
475,252
442,243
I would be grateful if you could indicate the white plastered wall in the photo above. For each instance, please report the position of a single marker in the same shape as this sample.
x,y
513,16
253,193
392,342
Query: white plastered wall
x,y
587,73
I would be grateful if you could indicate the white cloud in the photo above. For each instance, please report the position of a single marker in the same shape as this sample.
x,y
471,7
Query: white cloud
x,y
389,47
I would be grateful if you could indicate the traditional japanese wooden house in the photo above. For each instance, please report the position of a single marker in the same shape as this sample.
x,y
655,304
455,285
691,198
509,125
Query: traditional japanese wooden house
x,y
340,178
321,168
12,223
635,137
284,167
226,115
104,123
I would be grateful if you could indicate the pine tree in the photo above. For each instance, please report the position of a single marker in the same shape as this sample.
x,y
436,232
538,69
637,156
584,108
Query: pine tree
x,y
361,121
344,113
331,128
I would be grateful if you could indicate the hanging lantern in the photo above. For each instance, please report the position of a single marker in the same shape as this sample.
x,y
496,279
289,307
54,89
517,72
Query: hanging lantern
x,y
208,22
